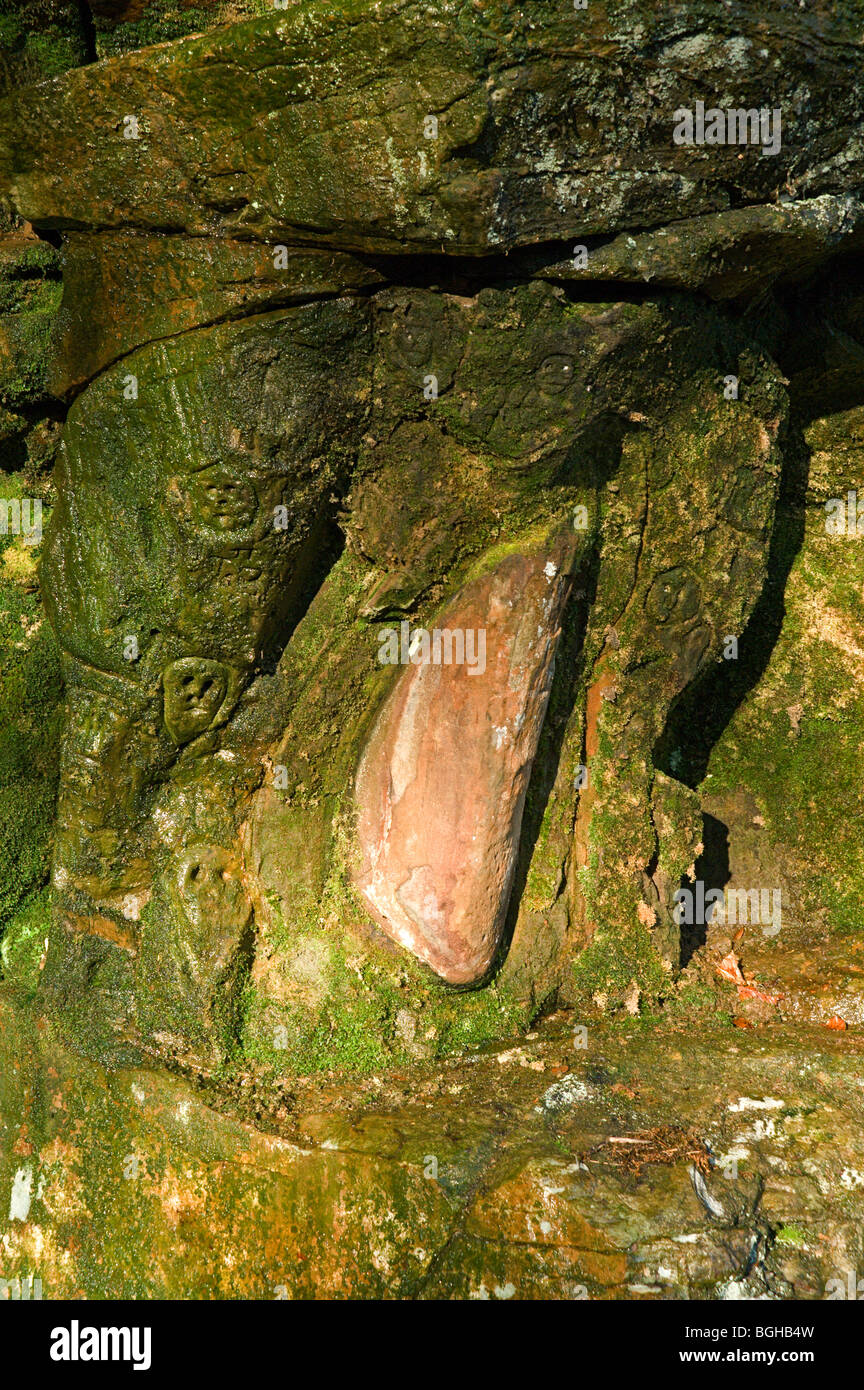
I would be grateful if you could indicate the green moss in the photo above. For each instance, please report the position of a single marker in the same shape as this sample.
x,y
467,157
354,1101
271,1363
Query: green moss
x,y
615,958
360,1027
166,20
694,998
30,335
50,54
791,1235
349,1032
30,294
30,715
804,767
24,274
23,942
39,40
362,1012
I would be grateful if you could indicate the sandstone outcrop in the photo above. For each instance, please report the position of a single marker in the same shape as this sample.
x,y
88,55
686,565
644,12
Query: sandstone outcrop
x,y
379,322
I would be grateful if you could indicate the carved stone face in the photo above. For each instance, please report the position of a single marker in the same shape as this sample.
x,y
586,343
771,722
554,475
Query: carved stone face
x,y
534,426
212,891
555,373
673,597
223,501
195,691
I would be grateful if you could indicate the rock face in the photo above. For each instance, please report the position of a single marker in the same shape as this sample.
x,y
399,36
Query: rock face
x,y
442,783
313,125
222,598
309,399
377,318
502,1176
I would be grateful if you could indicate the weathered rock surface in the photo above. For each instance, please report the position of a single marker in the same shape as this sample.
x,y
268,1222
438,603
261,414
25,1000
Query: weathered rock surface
x,y
40,40
310,124
462,417
728,255
535,1170
366,308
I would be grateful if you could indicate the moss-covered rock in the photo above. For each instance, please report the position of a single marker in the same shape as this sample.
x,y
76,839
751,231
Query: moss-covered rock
x,y
787,755
385,127
365,306
546,1169
120,26
40,39
331,359
29,300
30,706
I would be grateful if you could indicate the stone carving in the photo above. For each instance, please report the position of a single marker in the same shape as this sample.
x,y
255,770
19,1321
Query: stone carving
x,y
221,500
528,442
555,373
210,886
160,551
398,320
673,597
194,954
199,695
429,429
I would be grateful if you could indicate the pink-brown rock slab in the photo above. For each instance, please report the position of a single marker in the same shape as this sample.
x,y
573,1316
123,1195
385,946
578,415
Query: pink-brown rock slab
x,y
442,782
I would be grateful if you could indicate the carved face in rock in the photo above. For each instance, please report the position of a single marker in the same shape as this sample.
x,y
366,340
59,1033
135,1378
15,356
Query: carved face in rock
x,y
222,500
211,889
198,695
172,536
463,504
192,949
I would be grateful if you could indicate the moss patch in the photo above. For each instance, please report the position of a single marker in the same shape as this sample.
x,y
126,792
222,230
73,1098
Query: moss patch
x,y
39,40
326,1008
795,741
165,20
23,942
30,714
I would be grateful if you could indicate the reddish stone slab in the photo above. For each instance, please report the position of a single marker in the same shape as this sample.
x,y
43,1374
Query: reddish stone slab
x,y
441,785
